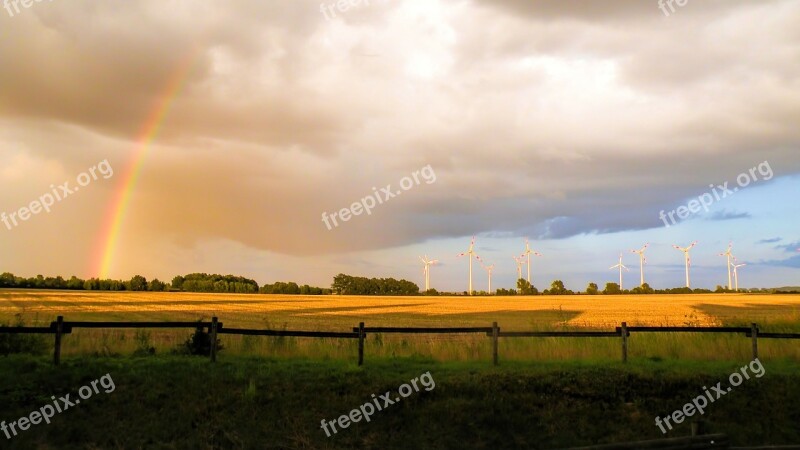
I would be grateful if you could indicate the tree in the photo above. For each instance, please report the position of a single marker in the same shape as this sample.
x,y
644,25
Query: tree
x,y
75,283
7,280
157,285
526,288
592,289
92,284
177,282
138,283
612,289
557,288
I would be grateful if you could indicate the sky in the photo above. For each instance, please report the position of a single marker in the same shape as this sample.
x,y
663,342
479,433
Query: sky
x,y
222,134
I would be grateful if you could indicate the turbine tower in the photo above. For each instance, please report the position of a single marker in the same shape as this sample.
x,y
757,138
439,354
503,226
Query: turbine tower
x,y
520,262
729,255
470,252
528,253
642,261
488,270
427,270
736,274
688,260
620,266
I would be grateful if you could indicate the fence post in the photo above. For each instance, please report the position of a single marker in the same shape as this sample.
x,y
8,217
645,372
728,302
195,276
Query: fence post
x,y
59,330
624,332
214,339
495,334
754,333
360,343
698,427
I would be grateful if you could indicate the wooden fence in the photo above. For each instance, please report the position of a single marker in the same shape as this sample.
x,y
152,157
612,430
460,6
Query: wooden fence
x,y
59,328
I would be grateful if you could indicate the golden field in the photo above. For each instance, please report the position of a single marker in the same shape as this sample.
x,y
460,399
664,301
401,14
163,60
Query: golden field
x,y
330,312
341,313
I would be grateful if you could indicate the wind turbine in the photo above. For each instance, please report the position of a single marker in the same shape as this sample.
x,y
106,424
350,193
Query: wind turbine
x,y
471,253
488,270
642,261
427,270
736,274
729,255
620,266
528,253
688,260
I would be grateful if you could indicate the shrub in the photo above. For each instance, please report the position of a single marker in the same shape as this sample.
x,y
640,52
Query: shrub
x,y
199,343
144,346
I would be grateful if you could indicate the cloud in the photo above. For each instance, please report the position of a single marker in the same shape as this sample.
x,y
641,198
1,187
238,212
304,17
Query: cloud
x,y
792,248
725,215
793,262
770,241
543,118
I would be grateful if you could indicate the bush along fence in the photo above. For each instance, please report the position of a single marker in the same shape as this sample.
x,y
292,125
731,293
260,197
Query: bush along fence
x,y
59,328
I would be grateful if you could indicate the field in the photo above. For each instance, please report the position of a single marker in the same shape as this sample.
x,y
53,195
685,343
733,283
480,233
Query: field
x,y
340,313
267,392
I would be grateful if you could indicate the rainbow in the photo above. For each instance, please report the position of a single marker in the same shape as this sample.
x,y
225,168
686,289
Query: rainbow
x,y
112,224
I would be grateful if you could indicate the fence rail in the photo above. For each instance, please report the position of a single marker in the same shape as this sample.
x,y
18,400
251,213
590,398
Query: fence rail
x,y
288,333
59,328
71,325
404,330
689,329
558,334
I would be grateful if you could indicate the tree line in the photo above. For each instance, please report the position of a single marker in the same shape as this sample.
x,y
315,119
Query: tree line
x,y
292,288
342,284
557,288
193,282
137,283
350,285
203,282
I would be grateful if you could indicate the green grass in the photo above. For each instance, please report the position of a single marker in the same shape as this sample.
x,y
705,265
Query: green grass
x,y
242,402
678,346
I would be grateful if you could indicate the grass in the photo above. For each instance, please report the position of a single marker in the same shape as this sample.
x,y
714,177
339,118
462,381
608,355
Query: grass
x,y
267,392
240,402
341,313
